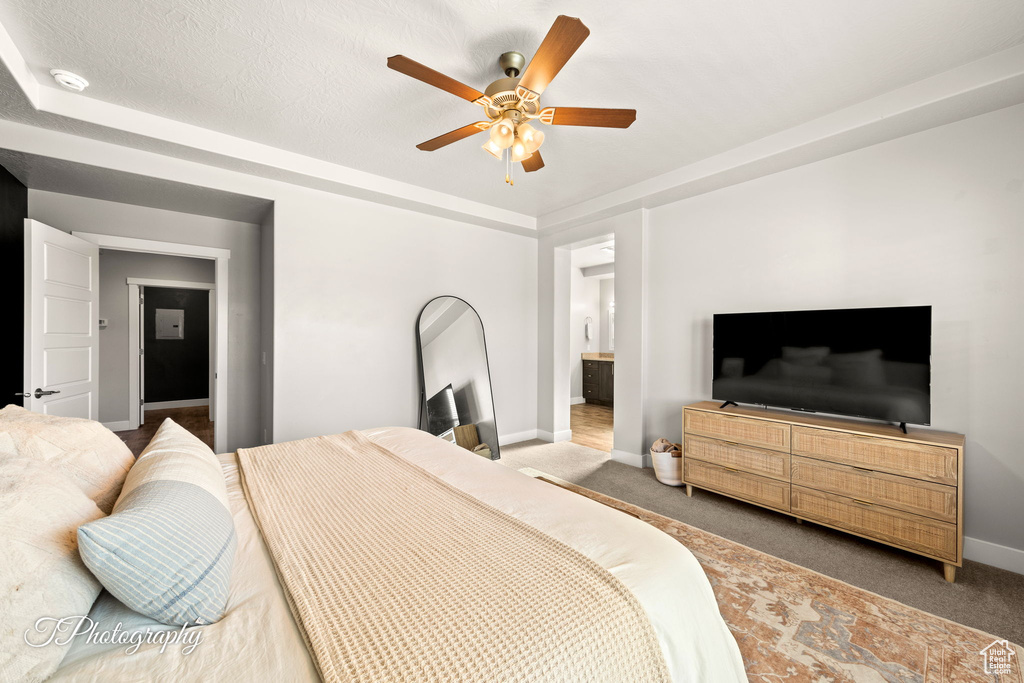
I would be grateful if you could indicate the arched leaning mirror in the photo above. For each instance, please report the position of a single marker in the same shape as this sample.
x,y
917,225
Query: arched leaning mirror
x,y
456,402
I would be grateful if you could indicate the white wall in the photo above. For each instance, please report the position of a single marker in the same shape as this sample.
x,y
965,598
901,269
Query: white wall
x,y
115,268
350,279
584,302
606,299
69,213
934,218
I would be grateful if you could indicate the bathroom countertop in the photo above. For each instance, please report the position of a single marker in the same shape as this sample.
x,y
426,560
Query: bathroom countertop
x,y
609,357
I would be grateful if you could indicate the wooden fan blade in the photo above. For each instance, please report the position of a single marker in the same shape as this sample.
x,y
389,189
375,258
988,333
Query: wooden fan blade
x,y
602,118
534,163
562,40
453,136
404,65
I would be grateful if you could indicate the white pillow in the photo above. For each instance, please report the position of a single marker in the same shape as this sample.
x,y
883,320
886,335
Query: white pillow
x,y
167,549
41,573
89,454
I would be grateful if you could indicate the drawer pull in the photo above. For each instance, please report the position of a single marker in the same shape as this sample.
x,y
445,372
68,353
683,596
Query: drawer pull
x,y
862,469
862,502
731,469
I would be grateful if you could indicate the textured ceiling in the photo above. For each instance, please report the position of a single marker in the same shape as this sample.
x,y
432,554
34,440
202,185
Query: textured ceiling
x,y
56,175
311,78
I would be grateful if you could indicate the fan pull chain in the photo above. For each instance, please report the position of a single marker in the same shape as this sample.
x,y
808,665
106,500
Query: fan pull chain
x,y
507,154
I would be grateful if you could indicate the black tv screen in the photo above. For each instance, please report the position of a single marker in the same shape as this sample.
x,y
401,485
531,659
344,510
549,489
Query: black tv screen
x,y
864,362
442,413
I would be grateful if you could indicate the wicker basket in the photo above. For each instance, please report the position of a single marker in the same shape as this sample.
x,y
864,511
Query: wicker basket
x,y
668,467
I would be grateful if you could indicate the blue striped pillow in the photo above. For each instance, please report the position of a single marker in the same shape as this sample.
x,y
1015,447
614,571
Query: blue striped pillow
x,y
166,550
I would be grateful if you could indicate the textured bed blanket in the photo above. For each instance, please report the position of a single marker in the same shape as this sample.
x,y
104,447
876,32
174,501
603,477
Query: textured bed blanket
x,y
394,574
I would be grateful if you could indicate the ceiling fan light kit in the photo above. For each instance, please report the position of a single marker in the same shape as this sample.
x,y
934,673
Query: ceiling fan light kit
x,y
513,102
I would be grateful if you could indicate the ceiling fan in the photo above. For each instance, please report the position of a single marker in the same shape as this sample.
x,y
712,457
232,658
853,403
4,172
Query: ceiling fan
x,y
511,103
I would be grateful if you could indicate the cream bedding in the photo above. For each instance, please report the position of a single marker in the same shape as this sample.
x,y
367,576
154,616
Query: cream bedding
x,y
662,574
398,575
255,641
258,640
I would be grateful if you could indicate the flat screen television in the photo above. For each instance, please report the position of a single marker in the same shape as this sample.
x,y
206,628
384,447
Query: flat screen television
x,y
442,414
863,362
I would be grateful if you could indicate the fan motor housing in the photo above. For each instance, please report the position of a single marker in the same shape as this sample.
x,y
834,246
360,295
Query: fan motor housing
x,y
503,95
502,91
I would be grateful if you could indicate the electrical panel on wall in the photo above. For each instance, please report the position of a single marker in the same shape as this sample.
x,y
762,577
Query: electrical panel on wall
x,y
170,323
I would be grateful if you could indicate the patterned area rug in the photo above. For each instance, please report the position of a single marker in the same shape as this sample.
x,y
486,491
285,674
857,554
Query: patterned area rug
x,y
794,624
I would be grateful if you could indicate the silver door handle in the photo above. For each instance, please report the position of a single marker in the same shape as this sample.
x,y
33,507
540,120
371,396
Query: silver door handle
x,y
38,394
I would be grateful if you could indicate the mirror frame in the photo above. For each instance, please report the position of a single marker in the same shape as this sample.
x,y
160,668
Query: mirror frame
x,y
496,449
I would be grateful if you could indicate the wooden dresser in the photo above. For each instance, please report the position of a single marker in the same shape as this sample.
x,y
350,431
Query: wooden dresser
x,y
599,378
867,479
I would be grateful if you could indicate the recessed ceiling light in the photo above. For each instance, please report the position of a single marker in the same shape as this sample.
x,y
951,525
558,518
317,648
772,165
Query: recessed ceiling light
x,y
68,80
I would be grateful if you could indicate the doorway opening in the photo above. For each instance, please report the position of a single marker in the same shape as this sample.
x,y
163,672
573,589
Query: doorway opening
x,y
180,321
171,345
592,343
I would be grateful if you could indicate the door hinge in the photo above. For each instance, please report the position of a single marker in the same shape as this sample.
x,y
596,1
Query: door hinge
x,y
142,351
141,402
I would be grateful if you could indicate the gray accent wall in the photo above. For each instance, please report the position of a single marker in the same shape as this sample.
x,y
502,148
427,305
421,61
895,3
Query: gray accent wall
x,y
115,269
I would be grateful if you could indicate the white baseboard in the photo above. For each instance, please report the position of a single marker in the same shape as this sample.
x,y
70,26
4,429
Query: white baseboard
x,y
186,403
555,437
1004,557
634,459
576,400
508,439
119,426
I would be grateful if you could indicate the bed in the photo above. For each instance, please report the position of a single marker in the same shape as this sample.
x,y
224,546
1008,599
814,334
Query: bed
x,y
260,638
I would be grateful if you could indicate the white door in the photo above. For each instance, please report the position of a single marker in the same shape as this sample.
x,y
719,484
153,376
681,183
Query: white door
x,y
61,323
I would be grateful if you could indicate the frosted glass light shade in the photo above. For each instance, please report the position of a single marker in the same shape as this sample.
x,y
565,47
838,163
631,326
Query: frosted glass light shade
x,y
491,148
503,134
531,137
520,151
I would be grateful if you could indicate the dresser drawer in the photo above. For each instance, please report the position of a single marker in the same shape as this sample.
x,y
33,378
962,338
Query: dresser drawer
x,y
747,458
591,391
932,463
744,430
762,490
590,375
937,501
913,532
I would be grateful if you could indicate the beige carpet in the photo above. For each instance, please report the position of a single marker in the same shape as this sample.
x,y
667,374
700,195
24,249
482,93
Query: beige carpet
x,y
983,597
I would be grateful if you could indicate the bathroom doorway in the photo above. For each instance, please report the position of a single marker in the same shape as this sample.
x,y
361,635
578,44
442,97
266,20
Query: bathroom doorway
x,y
592,344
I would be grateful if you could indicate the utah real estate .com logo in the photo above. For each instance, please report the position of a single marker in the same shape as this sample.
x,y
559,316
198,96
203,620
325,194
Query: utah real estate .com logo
x,y
998,657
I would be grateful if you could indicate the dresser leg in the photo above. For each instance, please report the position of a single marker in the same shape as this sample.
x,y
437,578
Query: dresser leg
x,y
949,570
798,520
689,491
